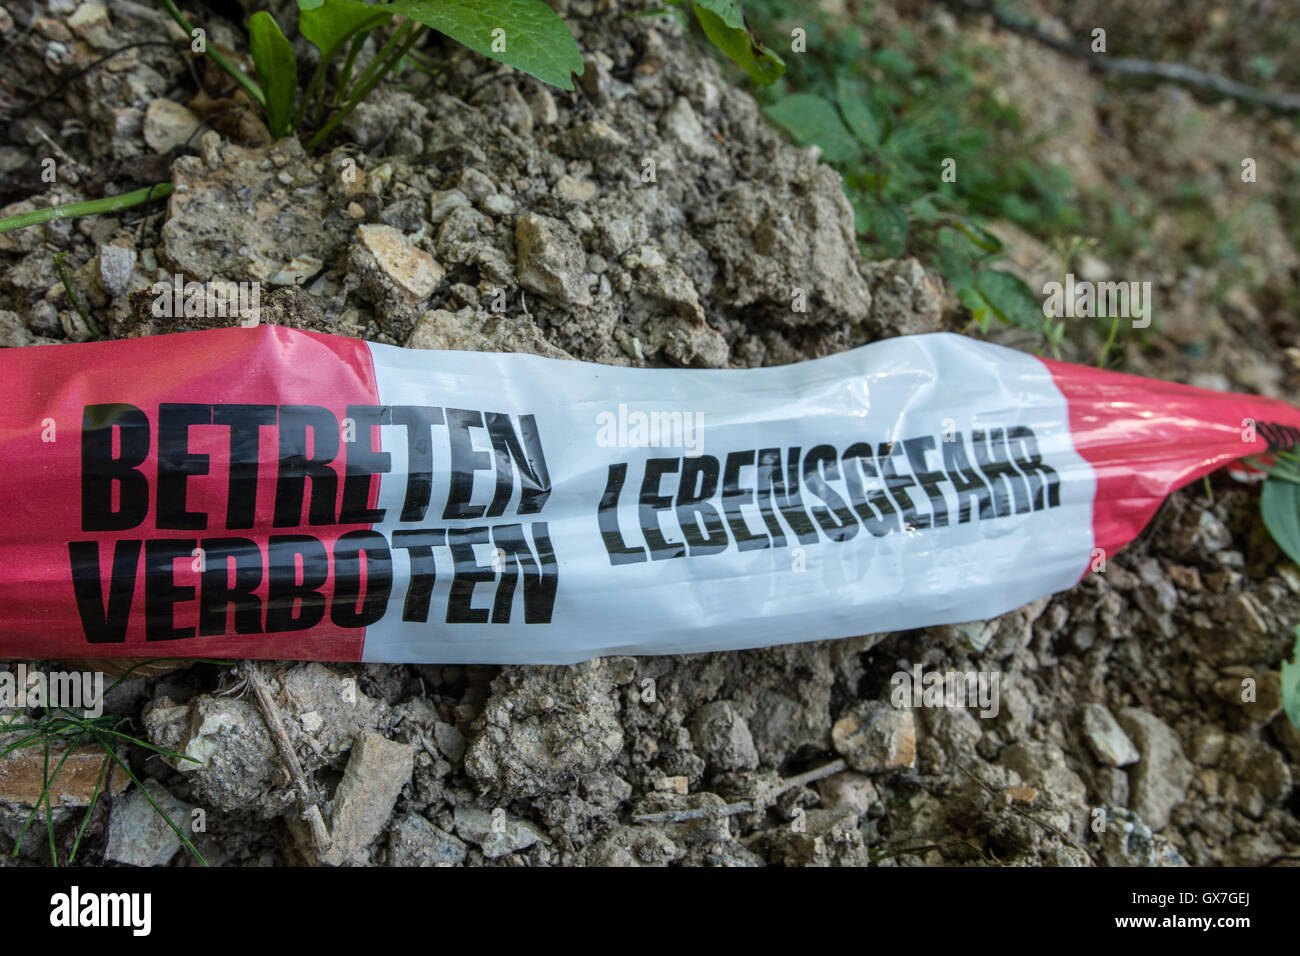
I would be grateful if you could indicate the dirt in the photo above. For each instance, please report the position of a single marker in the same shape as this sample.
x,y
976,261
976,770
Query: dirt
x,y
489,212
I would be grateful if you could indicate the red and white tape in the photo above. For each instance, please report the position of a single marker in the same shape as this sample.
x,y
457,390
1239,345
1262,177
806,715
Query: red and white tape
x,y
274,493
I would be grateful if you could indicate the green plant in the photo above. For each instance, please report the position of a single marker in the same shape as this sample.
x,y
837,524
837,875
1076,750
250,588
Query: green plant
x,y
91,207
59,730
1279,507
524,34
926,157
724,24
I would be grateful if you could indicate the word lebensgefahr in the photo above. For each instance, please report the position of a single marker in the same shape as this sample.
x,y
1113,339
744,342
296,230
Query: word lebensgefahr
x,y
761,498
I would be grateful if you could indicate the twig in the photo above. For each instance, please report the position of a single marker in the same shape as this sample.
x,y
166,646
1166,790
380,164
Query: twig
x,y
699,813
744,806
308,801
812,776
1026,814
77,304
1180,73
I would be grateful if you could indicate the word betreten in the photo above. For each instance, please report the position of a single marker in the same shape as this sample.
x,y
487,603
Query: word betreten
x,y
699,506
309,441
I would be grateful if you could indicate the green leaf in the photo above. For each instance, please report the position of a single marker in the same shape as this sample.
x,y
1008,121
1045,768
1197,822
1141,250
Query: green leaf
x,y
811,120
1010,299
889,226
277,70
970,297
978,235
862,210
328,24
724,25
1290,673
857,112
1279,505
955,258
525,34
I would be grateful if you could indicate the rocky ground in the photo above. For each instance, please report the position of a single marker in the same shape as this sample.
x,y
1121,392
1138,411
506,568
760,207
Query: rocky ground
x,y
1121,735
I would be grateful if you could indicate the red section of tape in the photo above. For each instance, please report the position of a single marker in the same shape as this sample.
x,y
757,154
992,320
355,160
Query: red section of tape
x,y
47,390
1144,438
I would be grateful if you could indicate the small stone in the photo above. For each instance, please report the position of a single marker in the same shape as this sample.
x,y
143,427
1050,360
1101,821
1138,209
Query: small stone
x,y
52,29
168,125
573,190
874,736
116,264
593,138
542,103
722,737
1208,744
498,205
1093,269
414,841
681,123
1127,841
451,742
1022,795
496,833
475,185
848,789
410,270
1041,765
22,775
90,22
551,260
1186,577
297,271
1287,735
677,784
210,149
1256,697
471,330
1106,738
442,203
1159,780
137,834
377,771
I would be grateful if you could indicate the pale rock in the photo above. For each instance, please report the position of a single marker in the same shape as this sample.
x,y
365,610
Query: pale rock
x,y
1106,738
377,771
496,832
168,125
874,736
1158,780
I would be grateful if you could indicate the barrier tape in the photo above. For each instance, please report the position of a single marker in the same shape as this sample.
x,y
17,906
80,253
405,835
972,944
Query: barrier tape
x,y
274,493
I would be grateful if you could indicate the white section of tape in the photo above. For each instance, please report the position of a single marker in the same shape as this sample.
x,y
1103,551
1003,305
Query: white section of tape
x,y
933,385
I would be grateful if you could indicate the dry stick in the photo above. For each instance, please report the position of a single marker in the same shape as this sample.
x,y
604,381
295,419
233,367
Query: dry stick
x,y
1179,73
812,776
699,813
731,809
308,802
1027,815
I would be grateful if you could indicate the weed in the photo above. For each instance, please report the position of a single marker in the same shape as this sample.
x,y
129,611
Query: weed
x,y
525,34
57,730
1279,507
